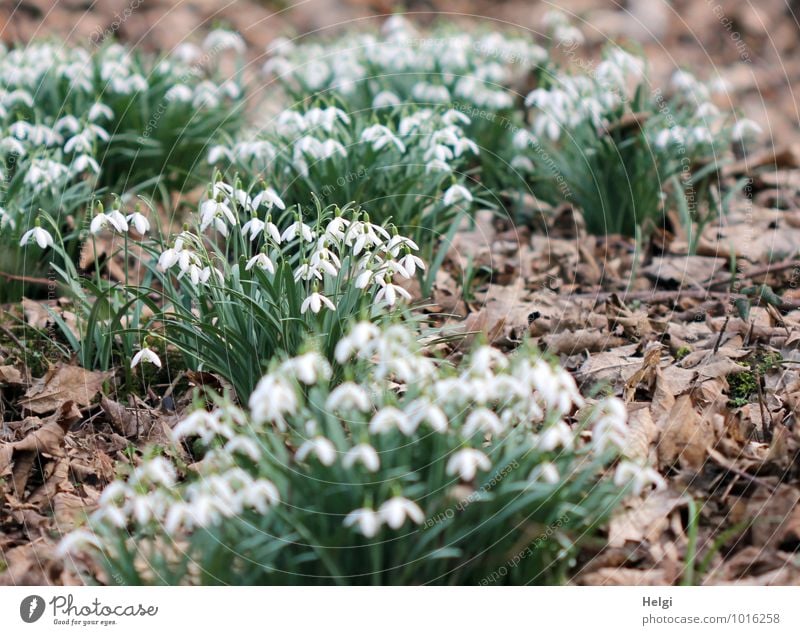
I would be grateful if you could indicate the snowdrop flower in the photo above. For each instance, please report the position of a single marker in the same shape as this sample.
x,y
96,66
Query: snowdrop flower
x,y
321,447
68,123
76,542
269,197
640,478
706,110
84,162
408,265
213,211
6,220
187,53
362,453
389,292
380,137
41,236
115,221
385,99
273,398
745,129
546,472
222,40
146,355
100,111
308,368
219,153
315,302
157,471
557,435
348,396
139,222
298,228
437,165
395,511
261,261
358,341
482,420
421,410
260,495
467,462
367,520
244,446
389,418
271,230
455,194
253,227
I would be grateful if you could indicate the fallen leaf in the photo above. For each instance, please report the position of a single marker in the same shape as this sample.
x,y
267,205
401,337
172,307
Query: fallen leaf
x,y
63,383
684,437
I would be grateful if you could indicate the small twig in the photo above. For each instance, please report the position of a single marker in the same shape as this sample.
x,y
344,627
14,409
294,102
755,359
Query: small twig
x,y
758,271
671,296
11,276
721,333
762,407
12,337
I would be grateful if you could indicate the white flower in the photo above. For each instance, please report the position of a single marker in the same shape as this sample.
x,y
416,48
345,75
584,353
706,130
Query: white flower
x,y
262,261
421,410
385,99
483,420
217,153
146,355
41,236
5,219
395,511
557,435
457,193
467,462
272,398
368,521
245,446
216,212
408,265
389,292
358,341
253,227
113,220
98,111
321,447
348,396
610,428
638,477
315,302
222,39
84,162
745,129
76,542
260,495
298,228
269,197
308,368
139,222
546,472
380,137
389,418
364,454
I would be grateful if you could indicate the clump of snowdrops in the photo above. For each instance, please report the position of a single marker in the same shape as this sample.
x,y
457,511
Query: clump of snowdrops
x,y
620,149
401,69
410,171
247,278
406,470
74,122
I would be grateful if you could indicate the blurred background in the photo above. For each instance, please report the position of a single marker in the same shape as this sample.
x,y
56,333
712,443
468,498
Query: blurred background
x,y
751,44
